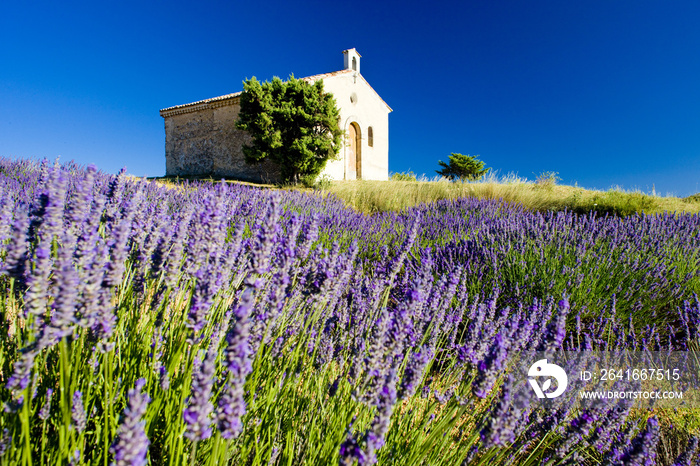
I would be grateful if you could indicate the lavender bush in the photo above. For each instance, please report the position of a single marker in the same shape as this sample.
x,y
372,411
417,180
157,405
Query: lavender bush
x,y
223,324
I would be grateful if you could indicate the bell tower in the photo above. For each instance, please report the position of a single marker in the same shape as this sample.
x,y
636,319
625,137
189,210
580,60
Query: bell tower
x,y
351,60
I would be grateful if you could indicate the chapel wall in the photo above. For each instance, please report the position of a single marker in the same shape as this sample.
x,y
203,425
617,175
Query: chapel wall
x,y
206,143
359,104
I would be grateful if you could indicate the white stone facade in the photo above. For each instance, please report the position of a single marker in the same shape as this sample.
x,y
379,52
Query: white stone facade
x,y
201,139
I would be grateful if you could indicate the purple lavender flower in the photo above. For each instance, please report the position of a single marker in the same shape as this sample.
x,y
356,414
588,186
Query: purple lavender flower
x,y
78,412
489,368
14,405
471,455
45,410
615,417
374,438
238,350
16,257
130,447
385,407
45,224
333,387
231,405
103,317
89,236
642,451
265,238
121,232
504,423
233,256
200,304
48,207
63,319
325,340
425,390
445,396
75,458
21,375
686,458
350,450
309,236
556,331
577,431
92,299
231,409
374,363
78,208
397,261
494,433
413,373
5,441
177,247
199,408
163,378
7,208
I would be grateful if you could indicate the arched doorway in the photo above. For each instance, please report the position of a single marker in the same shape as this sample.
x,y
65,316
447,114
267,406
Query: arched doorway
x,y
353,168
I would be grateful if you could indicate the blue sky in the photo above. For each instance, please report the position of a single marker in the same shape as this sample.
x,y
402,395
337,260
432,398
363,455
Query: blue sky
x,y
605,93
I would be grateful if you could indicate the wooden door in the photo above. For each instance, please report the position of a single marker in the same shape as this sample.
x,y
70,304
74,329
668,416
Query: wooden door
x,y
351,168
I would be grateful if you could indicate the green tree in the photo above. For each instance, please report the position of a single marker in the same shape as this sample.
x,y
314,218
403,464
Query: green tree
x,y
294,124
464,167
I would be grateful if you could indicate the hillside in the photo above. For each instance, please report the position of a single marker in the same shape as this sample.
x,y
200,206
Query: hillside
x,y
382,196
378,196
218,323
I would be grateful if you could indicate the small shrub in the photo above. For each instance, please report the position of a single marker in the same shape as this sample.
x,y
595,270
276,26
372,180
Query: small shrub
x,y
404,176
462,167
548,179
323,183
694,199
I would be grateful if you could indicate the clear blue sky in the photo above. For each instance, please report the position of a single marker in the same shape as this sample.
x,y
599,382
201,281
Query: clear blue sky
x,y
603,92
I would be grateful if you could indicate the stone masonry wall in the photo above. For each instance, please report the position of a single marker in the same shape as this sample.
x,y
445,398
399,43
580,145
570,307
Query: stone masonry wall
x,y
206,143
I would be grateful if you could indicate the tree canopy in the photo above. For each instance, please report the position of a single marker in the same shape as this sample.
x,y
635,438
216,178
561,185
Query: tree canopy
x,y
294,124
463,167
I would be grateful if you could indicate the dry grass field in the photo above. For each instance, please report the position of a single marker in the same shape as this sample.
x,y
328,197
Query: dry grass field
x,y
377,196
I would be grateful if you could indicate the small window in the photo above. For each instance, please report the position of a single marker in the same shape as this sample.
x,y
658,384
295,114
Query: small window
x,y
354,63
370,137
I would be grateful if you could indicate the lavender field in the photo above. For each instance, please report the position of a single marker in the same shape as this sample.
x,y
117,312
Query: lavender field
x,y
223,324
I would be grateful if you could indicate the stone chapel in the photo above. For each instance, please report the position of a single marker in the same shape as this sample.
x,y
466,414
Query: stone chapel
x,y
201,138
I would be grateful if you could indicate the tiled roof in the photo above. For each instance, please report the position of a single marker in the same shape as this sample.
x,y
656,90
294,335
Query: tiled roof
x,y
316,77
201,104
230,99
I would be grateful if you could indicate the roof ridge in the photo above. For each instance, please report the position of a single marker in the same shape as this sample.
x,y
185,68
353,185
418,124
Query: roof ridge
x,y
223,100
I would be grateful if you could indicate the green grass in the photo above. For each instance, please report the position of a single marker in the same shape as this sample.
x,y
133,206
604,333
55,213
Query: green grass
x,y
378,196
404,190
291,416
